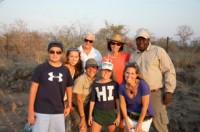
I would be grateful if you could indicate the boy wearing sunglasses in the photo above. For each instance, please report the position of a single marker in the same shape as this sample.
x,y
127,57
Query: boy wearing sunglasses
x,y
50,81
88,51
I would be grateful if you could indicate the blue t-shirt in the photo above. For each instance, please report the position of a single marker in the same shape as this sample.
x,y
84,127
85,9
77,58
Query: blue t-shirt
x,y
104,95
135,104
52,86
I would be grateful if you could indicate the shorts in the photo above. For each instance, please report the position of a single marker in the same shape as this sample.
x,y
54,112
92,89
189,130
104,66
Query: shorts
x,y
104,118
49,122
145,124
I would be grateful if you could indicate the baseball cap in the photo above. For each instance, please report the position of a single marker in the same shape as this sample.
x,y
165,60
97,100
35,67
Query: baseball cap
x,y
107,66
91,62
55,44
142,32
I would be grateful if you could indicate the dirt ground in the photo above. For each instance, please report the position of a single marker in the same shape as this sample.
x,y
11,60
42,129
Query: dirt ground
x,y
13,111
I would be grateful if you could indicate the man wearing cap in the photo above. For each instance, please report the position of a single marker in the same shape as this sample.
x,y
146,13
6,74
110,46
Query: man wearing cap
x,y
88,51
81,95
158,71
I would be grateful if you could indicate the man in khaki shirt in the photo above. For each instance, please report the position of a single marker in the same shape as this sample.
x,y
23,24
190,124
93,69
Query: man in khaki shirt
x,y
158,71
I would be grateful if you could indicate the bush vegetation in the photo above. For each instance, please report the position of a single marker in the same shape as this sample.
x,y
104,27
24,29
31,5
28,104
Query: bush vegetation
x,y
24,49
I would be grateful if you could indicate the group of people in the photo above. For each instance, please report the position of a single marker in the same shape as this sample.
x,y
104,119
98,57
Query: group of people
x,y
121,91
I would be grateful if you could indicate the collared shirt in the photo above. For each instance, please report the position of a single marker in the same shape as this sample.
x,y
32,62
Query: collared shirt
x,y
82,85
156,67
94,53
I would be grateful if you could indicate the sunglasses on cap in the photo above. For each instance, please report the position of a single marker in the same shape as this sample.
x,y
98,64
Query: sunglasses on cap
x,y
86,40
53,52
115,43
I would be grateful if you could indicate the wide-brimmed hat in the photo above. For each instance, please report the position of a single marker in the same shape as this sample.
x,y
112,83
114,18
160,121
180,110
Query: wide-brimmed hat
x,y
143,33
117,38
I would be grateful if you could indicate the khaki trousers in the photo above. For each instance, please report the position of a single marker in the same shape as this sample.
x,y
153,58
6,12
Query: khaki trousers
x,y
160,120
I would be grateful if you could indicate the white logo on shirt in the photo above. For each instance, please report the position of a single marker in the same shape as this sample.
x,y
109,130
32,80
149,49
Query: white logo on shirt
x,y
103,93
51,76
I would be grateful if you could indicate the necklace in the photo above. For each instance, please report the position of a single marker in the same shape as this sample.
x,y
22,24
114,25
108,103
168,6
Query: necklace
x,y
132,88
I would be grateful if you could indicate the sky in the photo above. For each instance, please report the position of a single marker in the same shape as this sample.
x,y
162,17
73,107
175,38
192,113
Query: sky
x,y
161,17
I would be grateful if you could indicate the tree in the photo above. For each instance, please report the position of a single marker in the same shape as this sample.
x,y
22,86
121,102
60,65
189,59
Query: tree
x,y
184,32
107,32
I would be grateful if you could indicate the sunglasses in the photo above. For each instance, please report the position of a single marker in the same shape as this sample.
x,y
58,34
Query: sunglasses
x,y
116,43
86,40
53,52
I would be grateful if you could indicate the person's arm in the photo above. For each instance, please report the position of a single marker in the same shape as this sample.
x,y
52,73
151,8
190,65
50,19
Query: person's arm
x,y
69,101
118,113
32,96
80,104
168,70
145,104
124,111
90,118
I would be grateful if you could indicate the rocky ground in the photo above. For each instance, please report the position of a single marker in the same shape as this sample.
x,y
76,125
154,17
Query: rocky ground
x,y
184,111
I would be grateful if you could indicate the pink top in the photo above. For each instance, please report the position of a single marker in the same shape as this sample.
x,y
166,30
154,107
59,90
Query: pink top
x,y
118,63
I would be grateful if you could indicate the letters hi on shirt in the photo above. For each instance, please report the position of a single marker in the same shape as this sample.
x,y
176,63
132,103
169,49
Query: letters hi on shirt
x,y
51,77
103,93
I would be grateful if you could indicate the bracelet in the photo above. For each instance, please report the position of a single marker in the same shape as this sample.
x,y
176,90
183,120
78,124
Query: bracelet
x,y
82,116
70,107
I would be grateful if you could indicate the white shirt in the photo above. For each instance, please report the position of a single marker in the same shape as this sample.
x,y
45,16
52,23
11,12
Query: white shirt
x,y
94,53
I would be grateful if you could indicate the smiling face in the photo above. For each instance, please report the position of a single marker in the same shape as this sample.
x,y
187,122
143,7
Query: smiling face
x,y
91,71
55,54
88,41
115,46
73,57
142,43
130,74
106,74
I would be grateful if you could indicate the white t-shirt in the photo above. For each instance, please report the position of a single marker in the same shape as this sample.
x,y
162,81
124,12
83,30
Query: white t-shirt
x,y
94,53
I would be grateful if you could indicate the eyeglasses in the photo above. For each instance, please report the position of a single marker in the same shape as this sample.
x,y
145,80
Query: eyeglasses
x,y
53,52
116,43
73,49
86,40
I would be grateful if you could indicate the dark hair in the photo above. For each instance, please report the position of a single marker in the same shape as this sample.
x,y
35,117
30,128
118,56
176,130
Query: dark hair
x,y
132,65
55,44
109,47
78,67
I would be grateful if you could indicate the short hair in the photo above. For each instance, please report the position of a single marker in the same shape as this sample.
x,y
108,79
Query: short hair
x,y
90,34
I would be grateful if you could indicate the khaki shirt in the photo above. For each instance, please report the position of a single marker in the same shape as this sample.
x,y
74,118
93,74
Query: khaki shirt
x,y
156,67
82,86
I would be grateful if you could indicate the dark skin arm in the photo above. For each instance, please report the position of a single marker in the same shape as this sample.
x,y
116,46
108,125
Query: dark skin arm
x,y
167,98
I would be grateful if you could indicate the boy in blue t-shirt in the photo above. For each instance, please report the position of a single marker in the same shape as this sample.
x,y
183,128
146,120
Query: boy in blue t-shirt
x,y
50,81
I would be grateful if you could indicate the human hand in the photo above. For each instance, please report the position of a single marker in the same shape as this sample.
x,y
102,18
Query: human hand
x,y
138,127
90,119
129,127
31,117
130,46
66,112
167,98
82,122
117,121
